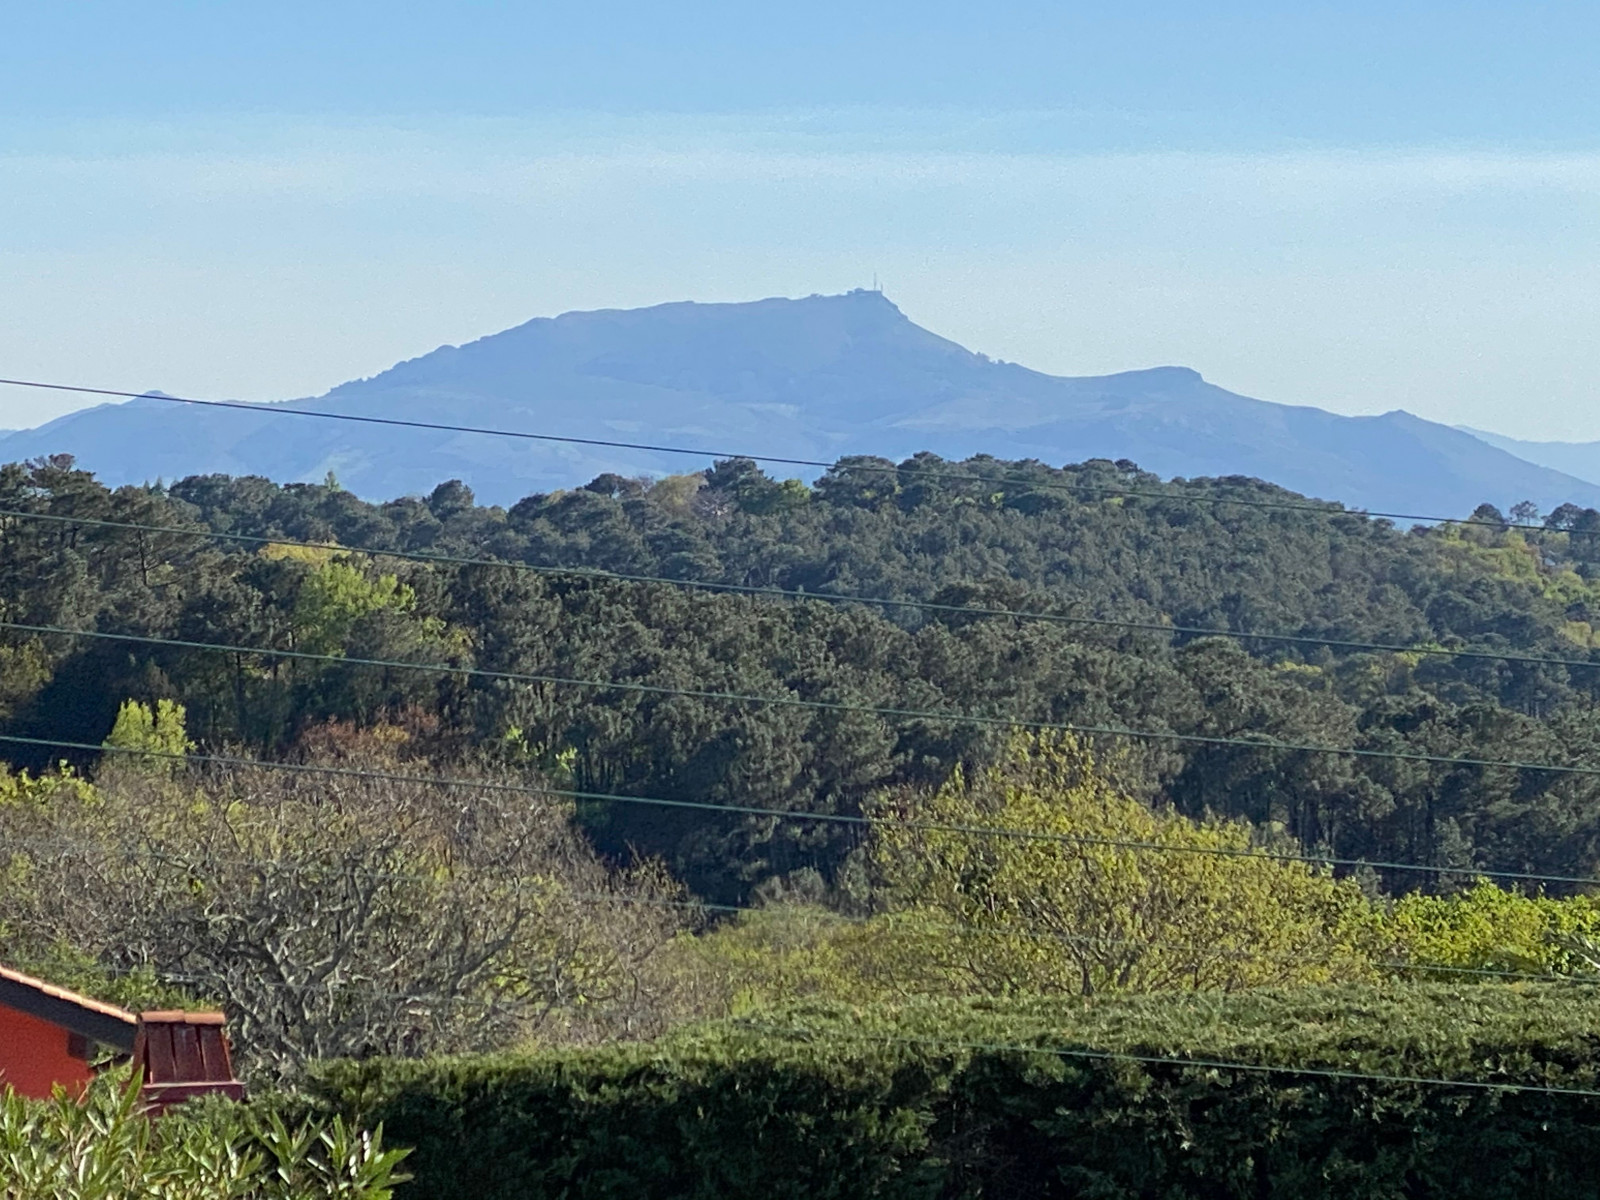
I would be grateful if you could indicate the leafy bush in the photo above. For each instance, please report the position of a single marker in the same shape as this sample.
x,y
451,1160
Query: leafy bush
x,y
103,1148
157,729
1487,928
996,1099
1073,910
1115,897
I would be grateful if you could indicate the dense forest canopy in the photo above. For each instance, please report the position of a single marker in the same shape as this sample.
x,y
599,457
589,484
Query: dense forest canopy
x,y
1098,539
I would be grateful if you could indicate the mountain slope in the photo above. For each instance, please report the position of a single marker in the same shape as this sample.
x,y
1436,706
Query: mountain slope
x,y
814,378
1580,459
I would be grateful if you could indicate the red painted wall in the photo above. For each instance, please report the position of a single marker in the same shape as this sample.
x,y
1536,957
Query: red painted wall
x,y
34,1058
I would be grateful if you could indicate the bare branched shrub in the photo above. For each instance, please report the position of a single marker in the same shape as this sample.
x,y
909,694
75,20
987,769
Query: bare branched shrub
x,y
347,914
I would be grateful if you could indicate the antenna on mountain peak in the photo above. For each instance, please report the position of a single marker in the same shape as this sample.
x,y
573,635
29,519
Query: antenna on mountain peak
x,y
876,286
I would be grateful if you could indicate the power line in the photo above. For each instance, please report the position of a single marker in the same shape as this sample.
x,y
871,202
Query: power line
x,y
833,1034
905,714
1325,508
956,927
816,463
1088,1054
353,988
587,573
847,819
58,845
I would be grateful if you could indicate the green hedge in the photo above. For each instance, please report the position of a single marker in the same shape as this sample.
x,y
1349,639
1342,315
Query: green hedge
x,y
818,1103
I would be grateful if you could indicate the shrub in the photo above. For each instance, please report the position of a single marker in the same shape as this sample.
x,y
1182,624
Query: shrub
x,y
1487,928
101,1147
997,1099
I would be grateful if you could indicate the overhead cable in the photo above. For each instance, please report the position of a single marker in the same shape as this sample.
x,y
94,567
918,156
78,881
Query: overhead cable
x,y
904,714
833,1035
846,819
58,845
1326,508
800,703
591,574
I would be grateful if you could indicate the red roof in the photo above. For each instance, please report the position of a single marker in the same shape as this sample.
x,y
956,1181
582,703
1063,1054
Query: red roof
x,y
180,1055
104,1023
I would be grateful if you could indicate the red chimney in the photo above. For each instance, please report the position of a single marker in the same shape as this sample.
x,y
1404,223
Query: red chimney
x,y
182,1055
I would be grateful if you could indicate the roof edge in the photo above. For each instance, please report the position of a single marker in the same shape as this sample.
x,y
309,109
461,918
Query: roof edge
x,y
79,1014
180,1016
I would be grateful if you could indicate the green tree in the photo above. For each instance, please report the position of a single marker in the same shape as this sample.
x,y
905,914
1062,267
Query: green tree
x,y
336,595
1115,895
157,731
980,533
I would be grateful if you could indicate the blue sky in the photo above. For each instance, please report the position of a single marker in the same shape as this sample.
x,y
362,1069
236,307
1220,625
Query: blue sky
x,y
1357,206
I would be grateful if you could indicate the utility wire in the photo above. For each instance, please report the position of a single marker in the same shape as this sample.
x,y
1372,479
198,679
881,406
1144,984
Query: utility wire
x,y
832,1034
596,574
923,473
1326,509
58,845
902,714
846,819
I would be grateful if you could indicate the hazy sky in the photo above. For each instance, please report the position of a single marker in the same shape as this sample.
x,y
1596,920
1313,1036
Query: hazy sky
x,y
1358,206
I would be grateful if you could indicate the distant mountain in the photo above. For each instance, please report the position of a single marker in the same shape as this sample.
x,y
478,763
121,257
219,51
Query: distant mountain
x,y
1581,459
814,378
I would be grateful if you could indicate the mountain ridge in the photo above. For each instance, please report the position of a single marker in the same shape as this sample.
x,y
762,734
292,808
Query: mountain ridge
x,y
1579,459
813,378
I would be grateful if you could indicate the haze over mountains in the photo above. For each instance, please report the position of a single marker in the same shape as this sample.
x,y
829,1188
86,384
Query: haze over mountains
x,y
814,378
1574,458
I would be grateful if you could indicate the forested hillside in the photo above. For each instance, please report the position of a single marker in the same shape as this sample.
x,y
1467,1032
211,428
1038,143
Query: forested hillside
x,y
1099,540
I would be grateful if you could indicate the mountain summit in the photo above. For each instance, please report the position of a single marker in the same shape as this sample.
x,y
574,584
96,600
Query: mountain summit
x,y
814,378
